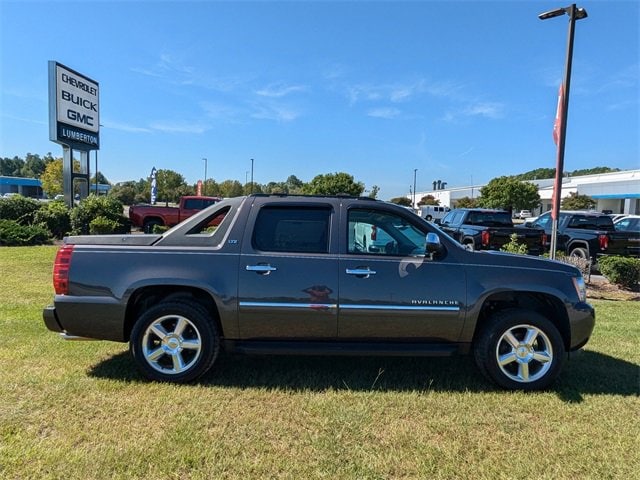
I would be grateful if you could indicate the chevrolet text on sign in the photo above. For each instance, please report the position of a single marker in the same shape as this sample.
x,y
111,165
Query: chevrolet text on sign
x,y
77,108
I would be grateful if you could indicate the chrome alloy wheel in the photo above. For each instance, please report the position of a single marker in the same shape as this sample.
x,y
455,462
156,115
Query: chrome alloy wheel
x,y
524,353
171,344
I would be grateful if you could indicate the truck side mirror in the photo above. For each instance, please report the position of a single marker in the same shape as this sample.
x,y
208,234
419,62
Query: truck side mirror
x,y
433,244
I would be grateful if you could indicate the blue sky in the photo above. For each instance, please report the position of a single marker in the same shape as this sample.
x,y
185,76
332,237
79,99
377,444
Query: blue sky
x,y
461,91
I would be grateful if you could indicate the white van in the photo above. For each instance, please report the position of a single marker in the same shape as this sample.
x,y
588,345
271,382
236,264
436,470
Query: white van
x,y
433,212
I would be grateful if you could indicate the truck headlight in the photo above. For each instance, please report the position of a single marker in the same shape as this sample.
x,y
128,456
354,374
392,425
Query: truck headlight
x,y
581,288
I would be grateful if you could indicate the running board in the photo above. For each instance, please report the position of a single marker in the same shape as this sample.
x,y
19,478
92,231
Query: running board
x,y
267,347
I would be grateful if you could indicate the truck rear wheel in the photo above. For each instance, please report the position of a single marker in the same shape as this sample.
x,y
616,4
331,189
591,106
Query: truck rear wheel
x,y
520,350
174,342
580,252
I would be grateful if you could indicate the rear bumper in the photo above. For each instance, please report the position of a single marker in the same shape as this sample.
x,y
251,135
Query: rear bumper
x,y
51,319
99,318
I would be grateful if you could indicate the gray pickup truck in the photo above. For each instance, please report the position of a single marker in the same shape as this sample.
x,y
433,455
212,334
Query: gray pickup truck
x,y
317,275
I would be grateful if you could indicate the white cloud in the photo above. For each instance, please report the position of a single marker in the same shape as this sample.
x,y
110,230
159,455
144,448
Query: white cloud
x,y
278,113
388,113
279,90
178,127
485,109
124,127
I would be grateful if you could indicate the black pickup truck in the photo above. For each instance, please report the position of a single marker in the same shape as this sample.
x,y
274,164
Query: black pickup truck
x,y
309,275
589,235
485,229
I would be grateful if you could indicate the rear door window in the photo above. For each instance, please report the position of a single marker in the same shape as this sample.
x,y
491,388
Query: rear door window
x,y
292,229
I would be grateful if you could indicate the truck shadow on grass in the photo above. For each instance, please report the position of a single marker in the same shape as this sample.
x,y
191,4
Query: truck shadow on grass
x,y
591,373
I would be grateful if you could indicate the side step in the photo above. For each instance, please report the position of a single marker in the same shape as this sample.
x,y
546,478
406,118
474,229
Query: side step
x,y
403,349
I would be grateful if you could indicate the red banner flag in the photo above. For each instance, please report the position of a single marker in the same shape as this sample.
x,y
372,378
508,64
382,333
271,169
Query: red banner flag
x,y
557,129
557,124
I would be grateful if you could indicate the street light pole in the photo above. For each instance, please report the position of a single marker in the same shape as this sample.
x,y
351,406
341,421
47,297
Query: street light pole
x,y
415,171
574,14
204,190
252,175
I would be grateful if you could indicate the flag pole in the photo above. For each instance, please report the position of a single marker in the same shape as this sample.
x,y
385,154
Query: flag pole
x,y
563,104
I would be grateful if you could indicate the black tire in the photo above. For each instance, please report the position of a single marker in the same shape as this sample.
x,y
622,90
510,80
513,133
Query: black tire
x,y
520,350
149,224
580,253
429,218
469,245
174,342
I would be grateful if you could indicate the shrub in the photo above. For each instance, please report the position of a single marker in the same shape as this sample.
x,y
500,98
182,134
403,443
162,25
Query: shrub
x,y
159,229
622,271
13,234
55,217
103,226
20,209
93,207
513,246
582,264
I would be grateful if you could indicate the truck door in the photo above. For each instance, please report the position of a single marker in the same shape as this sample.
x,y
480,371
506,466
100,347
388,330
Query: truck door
x,y
389,289
288,278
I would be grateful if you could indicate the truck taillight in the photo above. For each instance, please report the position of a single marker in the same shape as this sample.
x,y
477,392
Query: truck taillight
x,y
61,270
604,241
486,238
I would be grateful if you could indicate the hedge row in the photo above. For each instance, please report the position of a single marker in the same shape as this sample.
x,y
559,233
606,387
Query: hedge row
x,y
24,221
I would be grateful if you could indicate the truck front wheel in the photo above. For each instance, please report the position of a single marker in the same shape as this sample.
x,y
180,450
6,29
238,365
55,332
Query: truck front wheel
x,y
174,342
580,252
520,350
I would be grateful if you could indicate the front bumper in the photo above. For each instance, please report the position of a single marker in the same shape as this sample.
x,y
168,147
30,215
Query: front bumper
x,y
583,321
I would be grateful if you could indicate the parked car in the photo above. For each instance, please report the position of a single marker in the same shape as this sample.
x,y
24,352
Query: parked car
x,y
489,229
147,216
289,275
433,212
589,235
628,223
522,214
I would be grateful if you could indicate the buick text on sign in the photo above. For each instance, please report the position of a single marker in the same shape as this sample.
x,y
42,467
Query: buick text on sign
x,y
77,100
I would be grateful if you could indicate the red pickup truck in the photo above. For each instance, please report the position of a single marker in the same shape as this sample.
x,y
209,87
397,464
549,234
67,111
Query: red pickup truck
x,y
146,216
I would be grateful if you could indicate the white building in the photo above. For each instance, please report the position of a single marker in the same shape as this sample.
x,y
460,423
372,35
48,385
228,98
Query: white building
x,y
615,191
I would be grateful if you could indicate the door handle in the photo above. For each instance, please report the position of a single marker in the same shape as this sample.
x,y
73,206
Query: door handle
x,y
360,272
261,269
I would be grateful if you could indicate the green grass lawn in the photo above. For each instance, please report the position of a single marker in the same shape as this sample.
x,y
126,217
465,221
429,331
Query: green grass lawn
x,y
80,410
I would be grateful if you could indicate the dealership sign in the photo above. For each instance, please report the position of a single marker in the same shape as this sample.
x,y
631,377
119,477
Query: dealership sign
x,y
74,108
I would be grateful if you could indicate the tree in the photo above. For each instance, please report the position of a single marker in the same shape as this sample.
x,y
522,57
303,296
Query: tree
x,y
374,191
334,184
593,171
231,188
170,185
33,166
250,188
52,178
466,202
294,185
576,201
537,174
124,192
101,179
11,167
276,187
404,201
428,200
211,188
509,194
